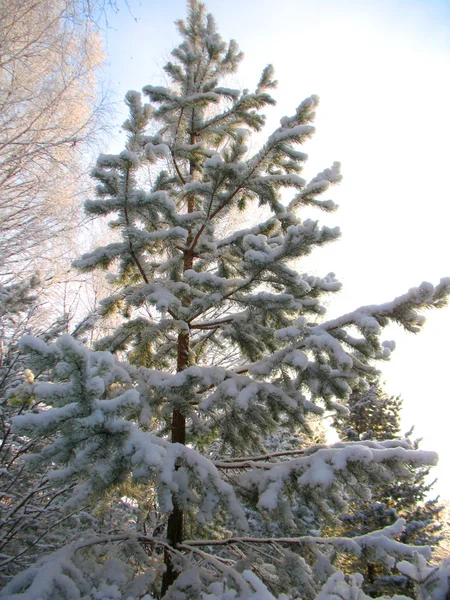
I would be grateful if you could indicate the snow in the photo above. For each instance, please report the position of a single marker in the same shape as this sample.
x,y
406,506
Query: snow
x,y
287,333
323,468
298,132
45,418
246,394
131,158
215,161
233,93
255,306
128,399
103,255
297,358
157,151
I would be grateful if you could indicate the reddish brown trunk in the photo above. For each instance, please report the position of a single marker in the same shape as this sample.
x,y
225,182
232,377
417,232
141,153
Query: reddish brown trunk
x,y
178,419
175,522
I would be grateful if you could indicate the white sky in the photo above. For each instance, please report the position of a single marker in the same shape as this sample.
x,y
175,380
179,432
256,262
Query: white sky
x,y
382,70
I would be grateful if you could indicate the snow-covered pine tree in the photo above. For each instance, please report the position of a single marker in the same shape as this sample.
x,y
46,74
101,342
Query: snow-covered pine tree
x,y
225,342
373,414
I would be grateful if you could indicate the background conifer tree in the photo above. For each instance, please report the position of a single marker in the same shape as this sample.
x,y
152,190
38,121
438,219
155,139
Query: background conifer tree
x,y
372,415
375,415
223,342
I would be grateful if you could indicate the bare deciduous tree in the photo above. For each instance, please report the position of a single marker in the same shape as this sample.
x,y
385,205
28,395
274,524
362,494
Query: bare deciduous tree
x,y
50,52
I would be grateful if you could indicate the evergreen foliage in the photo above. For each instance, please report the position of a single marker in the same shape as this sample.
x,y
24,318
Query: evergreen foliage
x,y
375,415
223,343
372,415
31,521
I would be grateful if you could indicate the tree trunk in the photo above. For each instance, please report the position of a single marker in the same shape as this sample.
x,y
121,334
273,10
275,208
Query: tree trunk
x,y
175,522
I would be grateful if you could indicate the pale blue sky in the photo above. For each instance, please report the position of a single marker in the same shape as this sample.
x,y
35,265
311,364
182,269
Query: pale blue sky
x,y
382,70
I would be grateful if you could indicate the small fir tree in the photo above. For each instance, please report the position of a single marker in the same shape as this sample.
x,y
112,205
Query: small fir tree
x,y
225,343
